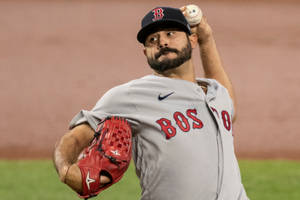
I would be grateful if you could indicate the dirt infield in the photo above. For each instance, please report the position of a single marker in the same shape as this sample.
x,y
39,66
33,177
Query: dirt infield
x,y
59,57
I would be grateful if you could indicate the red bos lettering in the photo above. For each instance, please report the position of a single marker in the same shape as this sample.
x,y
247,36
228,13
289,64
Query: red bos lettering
x,y
226,120
197,123
167,127
181,121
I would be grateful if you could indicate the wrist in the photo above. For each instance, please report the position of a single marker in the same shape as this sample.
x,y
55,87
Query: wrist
x,y
205,41
73,178
63,173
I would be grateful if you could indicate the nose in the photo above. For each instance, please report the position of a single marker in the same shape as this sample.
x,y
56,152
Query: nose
x,y
163,41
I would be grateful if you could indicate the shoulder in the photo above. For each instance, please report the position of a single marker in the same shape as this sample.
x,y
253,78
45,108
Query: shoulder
x,y
115,94
124,89
117,91
215,89
120,95
212,84
218,92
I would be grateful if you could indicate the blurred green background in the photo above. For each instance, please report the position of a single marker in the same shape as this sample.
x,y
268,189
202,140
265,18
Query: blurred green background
x,y
37,180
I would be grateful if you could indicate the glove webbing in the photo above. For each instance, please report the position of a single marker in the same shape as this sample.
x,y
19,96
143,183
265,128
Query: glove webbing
x,y
96,135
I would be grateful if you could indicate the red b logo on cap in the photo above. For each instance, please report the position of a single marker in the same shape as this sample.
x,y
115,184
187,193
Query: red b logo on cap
x,y
158,14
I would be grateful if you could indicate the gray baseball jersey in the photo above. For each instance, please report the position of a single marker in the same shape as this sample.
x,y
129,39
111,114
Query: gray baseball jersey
x,y
182,137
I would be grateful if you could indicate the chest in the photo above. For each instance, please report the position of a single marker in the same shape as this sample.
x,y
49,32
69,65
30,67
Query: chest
x,y
179,113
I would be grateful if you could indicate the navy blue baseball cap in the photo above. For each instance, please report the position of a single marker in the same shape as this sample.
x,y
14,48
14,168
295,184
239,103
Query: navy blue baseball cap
x,y
162,17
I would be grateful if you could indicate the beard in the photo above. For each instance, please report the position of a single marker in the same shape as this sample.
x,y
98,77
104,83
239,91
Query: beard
x,y
182,56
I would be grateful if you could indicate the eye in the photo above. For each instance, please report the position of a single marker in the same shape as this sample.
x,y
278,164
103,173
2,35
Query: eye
x,y
170,33
151,40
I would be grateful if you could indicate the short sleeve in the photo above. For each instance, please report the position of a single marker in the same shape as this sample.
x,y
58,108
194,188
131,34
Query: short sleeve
x,y
227,98
218,90
115,102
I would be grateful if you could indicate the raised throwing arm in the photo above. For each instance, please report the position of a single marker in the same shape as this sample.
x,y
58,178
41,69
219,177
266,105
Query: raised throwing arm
x,y
211,60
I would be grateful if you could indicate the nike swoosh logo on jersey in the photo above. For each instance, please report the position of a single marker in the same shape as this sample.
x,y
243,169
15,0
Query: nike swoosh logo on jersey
x,y
88,180
160,98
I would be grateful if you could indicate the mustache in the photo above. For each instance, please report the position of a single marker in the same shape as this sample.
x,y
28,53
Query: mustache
x,y
165,50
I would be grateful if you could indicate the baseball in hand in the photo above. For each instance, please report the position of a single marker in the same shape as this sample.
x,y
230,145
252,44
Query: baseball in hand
x,y
193,14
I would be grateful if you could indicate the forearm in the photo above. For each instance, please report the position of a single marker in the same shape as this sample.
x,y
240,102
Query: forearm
x,y
212,64
64,160
69,147
211,61
65,153
213,67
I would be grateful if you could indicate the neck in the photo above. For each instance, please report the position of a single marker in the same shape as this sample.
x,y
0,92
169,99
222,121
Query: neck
x,y
185,71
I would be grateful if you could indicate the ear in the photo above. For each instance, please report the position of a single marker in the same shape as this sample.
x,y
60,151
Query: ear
x,y
193,39
144,50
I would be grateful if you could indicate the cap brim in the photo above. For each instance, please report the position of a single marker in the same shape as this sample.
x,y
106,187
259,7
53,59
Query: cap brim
x,y
151,28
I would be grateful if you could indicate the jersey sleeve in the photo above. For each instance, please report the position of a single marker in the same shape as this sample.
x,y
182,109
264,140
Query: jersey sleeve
x,y
115,102
228,98
222,93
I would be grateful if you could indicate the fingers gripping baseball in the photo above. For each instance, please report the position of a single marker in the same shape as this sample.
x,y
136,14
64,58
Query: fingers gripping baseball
x,y
198,22
193,14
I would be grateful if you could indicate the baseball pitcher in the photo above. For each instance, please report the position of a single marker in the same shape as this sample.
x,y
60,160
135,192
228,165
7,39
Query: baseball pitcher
x,y
176,127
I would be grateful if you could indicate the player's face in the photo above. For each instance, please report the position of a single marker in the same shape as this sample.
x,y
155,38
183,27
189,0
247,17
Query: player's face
x,y
167,49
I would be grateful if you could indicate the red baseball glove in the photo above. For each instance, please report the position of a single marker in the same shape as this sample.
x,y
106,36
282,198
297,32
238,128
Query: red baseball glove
x,y
109,154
